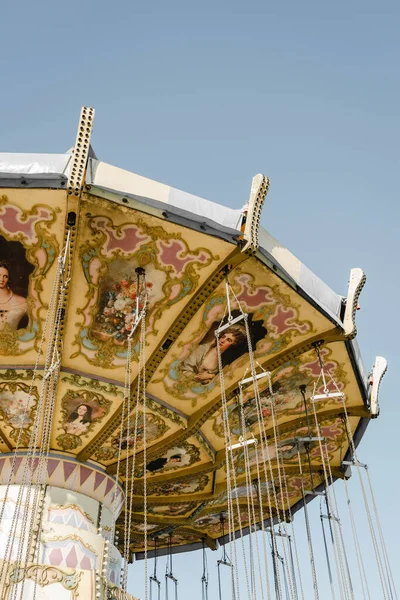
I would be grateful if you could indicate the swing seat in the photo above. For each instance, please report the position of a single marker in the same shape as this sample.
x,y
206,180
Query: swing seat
x,y
326,396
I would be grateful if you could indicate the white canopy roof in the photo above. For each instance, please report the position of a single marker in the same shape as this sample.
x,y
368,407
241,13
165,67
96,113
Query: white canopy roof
x,y
35,164
103,175
302,275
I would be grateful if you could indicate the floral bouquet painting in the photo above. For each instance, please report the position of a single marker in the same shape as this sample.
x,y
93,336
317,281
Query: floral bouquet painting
x,y
118,308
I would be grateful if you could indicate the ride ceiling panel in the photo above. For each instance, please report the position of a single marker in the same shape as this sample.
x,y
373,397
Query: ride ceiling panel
x,y
332,429
180,537
158,511
271,494
286,449
335,432
206,519
176,461
188,487
161,423
279,319
112,242
207,522
19,396
289,406
31,236
138,527
82,407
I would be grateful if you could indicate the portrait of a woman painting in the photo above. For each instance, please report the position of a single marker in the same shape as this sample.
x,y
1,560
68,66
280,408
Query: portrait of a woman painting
x,y
15,270
79,420
201,364
13,307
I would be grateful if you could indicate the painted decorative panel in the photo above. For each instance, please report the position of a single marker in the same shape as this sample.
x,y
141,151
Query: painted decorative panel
x,y
113,243
31,223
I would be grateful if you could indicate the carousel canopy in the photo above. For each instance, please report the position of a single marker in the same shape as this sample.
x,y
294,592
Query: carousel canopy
x,y
193,253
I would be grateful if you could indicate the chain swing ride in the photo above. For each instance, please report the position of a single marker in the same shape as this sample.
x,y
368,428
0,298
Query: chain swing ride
x,y
173,379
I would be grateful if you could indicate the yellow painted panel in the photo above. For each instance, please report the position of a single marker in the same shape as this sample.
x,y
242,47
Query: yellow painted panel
x,y
112,242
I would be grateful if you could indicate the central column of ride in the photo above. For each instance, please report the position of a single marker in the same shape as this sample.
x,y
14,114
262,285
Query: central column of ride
x,y
74,556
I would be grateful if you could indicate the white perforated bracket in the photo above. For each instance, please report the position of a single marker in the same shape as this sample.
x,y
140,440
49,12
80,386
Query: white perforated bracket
x,y
258,193
81,151
378,371
356,283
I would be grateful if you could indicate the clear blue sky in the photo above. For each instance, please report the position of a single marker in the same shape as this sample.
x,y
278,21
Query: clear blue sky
x,y
204,95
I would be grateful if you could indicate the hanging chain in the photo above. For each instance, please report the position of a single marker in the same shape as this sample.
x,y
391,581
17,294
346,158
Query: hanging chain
x,y
229,459
267,462
345,585
144,400
168,572
257,484
140,317
366,505
230,470
360,562
326,551
331,516
308,530
127,401
337,521
265,455
282,525
204,577
293,535
249,497
382,539
31,515
140,391
50,376
153,578
225,559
